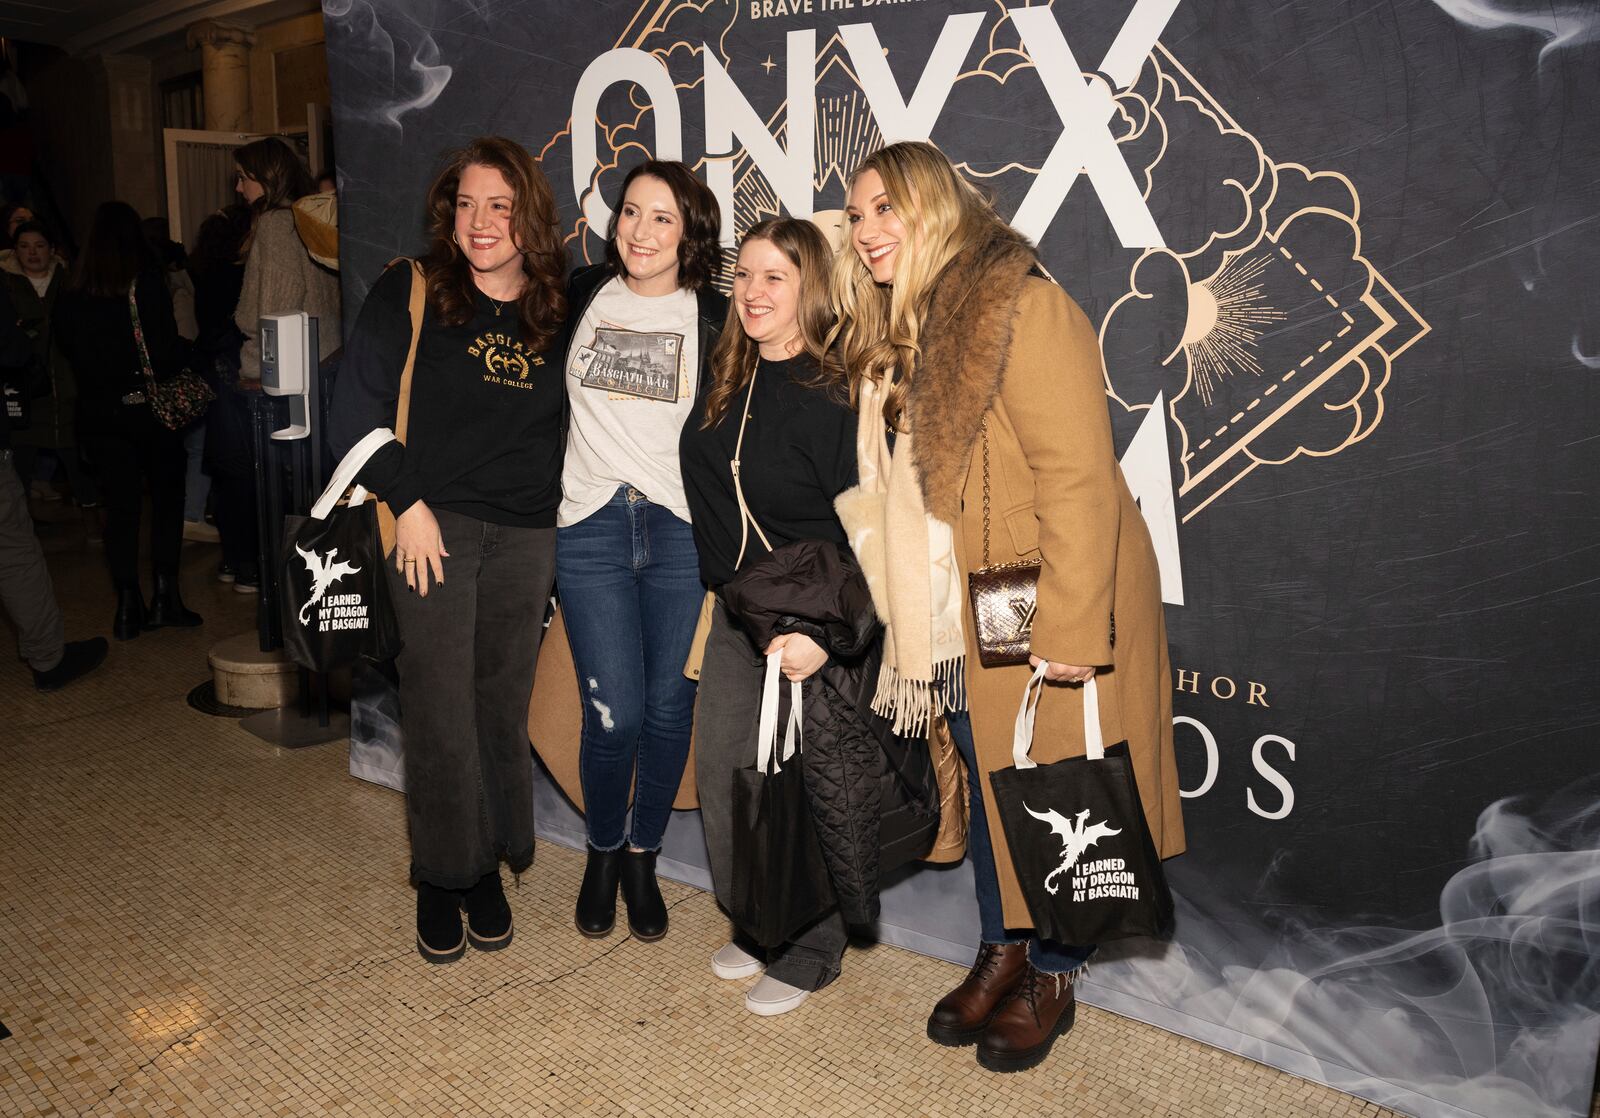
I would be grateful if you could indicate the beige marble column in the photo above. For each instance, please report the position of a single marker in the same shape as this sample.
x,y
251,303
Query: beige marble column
x,y
134,149
224,74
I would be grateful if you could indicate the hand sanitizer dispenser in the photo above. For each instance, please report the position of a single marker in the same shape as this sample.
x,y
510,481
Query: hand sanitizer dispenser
x,y
288,366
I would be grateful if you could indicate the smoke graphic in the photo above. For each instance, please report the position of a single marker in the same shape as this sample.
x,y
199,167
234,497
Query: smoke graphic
x,y
375,727
400,69
1493,1012
1587,360
1561,25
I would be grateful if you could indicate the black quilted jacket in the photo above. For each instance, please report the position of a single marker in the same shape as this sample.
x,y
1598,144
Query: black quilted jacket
x,y
873,796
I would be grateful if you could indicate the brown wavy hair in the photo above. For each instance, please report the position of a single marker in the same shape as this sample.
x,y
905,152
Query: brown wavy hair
x,y
284,179
542,308
273,164
699,254
733,361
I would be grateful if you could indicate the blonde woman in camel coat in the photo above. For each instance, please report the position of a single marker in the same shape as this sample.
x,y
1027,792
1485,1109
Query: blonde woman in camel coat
x,y
949,330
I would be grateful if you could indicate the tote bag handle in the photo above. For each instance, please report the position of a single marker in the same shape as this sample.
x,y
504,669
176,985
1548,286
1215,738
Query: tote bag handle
x,y
345,474
767,726
1022,736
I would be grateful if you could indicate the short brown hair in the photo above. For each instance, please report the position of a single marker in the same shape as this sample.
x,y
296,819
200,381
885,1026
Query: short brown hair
x,y
699,254
542,309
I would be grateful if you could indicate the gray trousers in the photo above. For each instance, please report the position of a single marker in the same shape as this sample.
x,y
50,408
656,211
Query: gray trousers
x,y
25,587
726,712
466,672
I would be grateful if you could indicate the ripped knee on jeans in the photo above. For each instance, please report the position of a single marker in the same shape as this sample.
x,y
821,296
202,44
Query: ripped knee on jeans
x,y
607,722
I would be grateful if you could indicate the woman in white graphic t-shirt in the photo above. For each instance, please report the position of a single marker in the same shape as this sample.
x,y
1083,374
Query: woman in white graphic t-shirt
x,y
642,327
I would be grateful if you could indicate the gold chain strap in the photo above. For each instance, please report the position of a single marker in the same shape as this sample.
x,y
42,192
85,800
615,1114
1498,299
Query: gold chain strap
x,y
984,428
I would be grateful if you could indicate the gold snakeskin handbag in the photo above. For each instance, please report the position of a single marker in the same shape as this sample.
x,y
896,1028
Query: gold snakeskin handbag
x,y
1004,597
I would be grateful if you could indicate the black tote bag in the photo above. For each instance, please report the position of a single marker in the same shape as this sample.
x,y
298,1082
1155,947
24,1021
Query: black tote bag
x,y
780,881
1079,843
336,607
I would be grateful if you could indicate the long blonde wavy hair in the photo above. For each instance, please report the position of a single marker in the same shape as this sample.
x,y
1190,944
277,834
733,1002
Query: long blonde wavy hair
x,y
879,327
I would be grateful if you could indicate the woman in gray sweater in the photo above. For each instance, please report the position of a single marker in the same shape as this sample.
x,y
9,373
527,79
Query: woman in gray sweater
x,y
279,275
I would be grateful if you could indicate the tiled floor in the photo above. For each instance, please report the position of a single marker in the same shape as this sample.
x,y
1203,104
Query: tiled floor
x,y
194,922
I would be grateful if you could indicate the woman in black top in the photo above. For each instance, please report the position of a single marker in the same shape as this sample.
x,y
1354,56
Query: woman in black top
x,y
474,489
797,453
116,276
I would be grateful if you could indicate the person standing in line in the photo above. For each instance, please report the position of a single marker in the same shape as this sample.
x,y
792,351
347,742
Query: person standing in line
x,y
196,483
35,286
279,275
114,317
955,342
783,411
217,268
643,325
474,489
26,591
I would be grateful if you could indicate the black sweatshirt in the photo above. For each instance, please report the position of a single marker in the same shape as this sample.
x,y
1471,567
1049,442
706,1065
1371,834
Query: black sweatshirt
x,y
799,454
484,437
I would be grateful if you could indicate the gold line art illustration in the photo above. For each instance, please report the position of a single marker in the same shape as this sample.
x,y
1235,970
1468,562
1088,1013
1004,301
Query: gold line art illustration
x,y
1227,314
1298,364
1261,327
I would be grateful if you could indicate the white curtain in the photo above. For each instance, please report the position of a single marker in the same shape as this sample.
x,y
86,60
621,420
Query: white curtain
x,y
205,184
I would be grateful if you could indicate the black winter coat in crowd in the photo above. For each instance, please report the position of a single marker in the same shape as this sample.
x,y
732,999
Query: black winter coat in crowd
x,y
873,796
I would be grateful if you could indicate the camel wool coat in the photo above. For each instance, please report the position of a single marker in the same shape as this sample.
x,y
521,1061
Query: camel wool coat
x,y
1002,344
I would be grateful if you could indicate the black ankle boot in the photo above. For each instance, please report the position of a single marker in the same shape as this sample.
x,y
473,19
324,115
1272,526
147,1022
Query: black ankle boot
x,y
167,608
647,912
129,620
597,897
439,935
488,913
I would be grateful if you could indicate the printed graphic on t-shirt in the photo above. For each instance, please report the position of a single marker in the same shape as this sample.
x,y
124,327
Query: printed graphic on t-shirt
x,y
632,364
505,360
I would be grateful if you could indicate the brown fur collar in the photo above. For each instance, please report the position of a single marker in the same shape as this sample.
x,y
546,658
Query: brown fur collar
x,y
966,339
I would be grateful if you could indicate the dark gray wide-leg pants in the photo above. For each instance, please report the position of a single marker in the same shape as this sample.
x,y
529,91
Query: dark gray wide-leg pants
x,y
466,672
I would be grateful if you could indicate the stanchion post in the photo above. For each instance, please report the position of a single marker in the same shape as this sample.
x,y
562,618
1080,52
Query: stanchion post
x,y
291,371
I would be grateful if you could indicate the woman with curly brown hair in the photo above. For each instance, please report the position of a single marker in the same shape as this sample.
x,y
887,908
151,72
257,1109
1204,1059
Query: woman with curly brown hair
x,y
474,489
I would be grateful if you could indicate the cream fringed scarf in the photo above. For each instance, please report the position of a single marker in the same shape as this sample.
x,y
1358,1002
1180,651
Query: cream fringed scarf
x,y
909,559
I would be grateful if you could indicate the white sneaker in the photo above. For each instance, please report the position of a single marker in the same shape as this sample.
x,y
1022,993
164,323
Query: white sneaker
x,y
770,997
732,961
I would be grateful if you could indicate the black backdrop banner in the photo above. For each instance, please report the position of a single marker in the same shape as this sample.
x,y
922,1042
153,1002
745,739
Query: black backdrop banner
x,y
1345,260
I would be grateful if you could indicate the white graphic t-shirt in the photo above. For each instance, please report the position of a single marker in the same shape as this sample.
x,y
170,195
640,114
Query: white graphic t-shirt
x,y
630,375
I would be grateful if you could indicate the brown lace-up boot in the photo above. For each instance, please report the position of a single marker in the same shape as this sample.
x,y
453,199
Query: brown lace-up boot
x,y
961,1015
1041,1008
